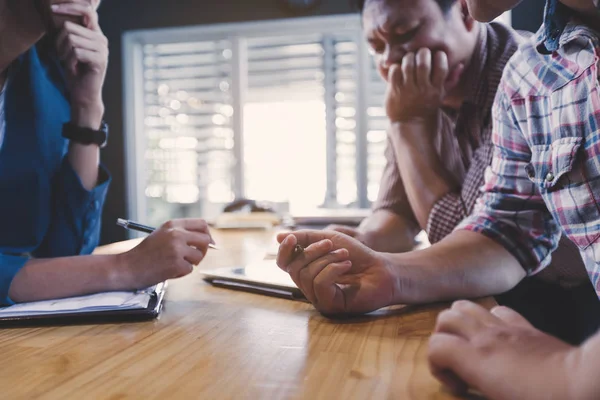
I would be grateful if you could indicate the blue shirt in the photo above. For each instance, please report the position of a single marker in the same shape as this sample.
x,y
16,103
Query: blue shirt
x,y
44,209
556,17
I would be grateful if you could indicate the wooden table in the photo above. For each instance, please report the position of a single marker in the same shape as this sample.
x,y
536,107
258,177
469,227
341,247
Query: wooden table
x,y
212,343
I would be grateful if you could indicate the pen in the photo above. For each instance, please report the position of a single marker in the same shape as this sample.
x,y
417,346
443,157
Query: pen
x,y
297,251
134,226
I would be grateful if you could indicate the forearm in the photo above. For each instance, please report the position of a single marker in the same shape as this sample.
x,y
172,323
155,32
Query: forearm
x,y
425,178
44,279
463,265
85,159
388,232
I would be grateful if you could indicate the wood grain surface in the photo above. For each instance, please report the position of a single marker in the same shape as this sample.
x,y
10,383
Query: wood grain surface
x,y
212,343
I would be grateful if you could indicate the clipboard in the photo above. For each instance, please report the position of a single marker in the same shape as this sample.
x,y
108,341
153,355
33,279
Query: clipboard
x,y
75,317
263,277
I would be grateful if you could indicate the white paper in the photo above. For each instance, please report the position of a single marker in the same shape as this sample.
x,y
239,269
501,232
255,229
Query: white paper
x,y
91,303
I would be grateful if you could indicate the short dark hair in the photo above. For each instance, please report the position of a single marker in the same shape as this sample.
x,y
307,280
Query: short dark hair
x,y
444,4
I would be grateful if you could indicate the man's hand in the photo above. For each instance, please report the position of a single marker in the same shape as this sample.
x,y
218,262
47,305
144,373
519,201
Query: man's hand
x,y
500,354
337,273
416,89
83,50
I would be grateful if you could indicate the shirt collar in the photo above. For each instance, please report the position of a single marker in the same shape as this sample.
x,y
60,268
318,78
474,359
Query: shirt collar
x,y
556,17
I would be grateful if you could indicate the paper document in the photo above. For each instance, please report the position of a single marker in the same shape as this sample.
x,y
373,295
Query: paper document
x,y
95,302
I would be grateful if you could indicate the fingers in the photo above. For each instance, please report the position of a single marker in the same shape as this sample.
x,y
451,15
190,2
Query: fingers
x,y
423,67
330,298
67,43
307,237
456,323
346,230
281,236
193,256
286,250
310,254
408,70
86,11
440,69
465,319
194,225
511,317
307,275
198,240
395,77
474,310
446,355
76,44
84,56
190,224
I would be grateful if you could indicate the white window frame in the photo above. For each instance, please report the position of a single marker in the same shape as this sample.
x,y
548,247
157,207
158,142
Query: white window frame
x,y
133,93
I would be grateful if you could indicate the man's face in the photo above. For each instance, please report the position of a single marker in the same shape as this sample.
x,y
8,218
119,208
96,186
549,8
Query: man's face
x,y
394,28
487,10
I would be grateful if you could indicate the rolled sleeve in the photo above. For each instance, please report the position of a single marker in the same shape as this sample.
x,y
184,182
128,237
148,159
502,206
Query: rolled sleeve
x,y
449,211
511,210
9,268
445,215
76,221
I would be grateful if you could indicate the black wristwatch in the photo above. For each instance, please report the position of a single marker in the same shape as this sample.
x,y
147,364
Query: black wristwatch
x,y
86,135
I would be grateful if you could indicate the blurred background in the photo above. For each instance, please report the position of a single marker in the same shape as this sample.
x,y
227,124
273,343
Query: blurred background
x,y
272,100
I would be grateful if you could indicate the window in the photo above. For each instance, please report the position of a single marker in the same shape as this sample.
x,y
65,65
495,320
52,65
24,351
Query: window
x,y
286,111
243,110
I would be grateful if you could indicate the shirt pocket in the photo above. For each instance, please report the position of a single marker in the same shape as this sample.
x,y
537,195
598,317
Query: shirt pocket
x,y
560,171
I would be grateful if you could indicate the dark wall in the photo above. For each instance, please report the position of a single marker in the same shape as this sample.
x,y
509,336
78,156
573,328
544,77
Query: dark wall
x,y
119,16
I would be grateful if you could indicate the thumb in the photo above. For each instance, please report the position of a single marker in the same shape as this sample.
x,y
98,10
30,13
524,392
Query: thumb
x,y
282,235
307,237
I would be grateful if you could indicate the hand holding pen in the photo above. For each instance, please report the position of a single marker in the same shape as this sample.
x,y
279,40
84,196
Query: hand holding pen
x,y
170,251
339,274
135,226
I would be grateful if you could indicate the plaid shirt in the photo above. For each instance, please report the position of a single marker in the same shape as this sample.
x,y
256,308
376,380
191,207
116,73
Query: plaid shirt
x,y
545,175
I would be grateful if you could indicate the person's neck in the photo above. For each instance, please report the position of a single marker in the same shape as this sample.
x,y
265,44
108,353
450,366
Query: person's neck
x,y
586,11
14,39
591,19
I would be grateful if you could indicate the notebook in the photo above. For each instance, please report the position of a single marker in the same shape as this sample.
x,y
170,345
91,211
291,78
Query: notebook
x,y
263,277
95,308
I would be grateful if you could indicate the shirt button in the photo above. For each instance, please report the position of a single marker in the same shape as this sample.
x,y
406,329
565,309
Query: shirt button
x,y
550,177
530,171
